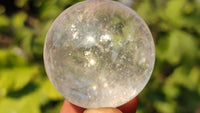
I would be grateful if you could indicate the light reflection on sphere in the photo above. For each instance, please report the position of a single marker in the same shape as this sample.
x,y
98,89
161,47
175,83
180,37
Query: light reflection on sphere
x,y
99,53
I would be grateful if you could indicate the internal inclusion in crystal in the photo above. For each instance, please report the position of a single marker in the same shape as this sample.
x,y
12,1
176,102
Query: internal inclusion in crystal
x,y
99,53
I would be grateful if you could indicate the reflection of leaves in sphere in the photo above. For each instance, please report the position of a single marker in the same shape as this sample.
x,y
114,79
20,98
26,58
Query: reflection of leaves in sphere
x,y
99,53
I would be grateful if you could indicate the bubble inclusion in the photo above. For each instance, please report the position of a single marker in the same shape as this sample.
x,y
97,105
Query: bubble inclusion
x,y
99,53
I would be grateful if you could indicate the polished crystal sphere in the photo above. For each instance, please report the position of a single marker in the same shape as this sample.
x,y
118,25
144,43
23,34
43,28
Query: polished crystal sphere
x,y
99,53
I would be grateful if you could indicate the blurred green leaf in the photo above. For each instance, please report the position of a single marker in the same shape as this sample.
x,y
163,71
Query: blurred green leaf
x,y
194,78
181,77
146,9
178,47
49,10
50,92
4,20
16,78
18,19
26,42
171,88
176,14
11,58
26,104
20,3
164,107
173,12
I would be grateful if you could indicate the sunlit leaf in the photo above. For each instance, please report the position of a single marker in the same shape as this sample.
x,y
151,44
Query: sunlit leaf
x,y
16,78
50,92
18,19
165,107
11,58
178,47
25,104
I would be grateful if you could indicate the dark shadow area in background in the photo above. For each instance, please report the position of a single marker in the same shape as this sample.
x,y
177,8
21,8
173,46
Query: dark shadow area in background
x,y
191,103
10,6
26,90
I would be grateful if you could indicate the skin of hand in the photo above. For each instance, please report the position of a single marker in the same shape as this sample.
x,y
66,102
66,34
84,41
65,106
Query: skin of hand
x,y
129,107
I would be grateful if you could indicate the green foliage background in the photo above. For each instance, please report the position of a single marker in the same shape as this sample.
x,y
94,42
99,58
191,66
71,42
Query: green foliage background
x,y
173,88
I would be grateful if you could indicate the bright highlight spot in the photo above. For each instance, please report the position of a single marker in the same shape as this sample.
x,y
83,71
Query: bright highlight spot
x,y
90,39
105,84
92,62
87,53
75,35
94,87
105,38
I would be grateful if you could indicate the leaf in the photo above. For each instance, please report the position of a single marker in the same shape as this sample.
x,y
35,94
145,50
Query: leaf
x,y
193,78
165,107
18,19
178,47
16,78
3,56
26,42
182,13
20,3
173,12
4,20
50,92
171,88
25,104
37,48
11,58
147,12
181,77
49,10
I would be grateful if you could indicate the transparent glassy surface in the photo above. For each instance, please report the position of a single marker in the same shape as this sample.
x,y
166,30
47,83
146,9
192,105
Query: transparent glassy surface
x,y
99,53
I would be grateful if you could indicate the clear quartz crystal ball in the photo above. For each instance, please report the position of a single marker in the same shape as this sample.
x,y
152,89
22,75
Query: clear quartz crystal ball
x,y
99,53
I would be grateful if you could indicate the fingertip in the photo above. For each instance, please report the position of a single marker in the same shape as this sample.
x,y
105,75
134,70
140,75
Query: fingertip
x,y
129,107
103,110
71,108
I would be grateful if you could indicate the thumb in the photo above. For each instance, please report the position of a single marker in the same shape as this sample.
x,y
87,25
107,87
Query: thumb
x,y
102,110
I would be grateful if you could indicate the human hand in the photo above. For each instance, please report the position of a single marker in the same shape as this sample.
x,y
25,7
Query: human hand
x,y
129,107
